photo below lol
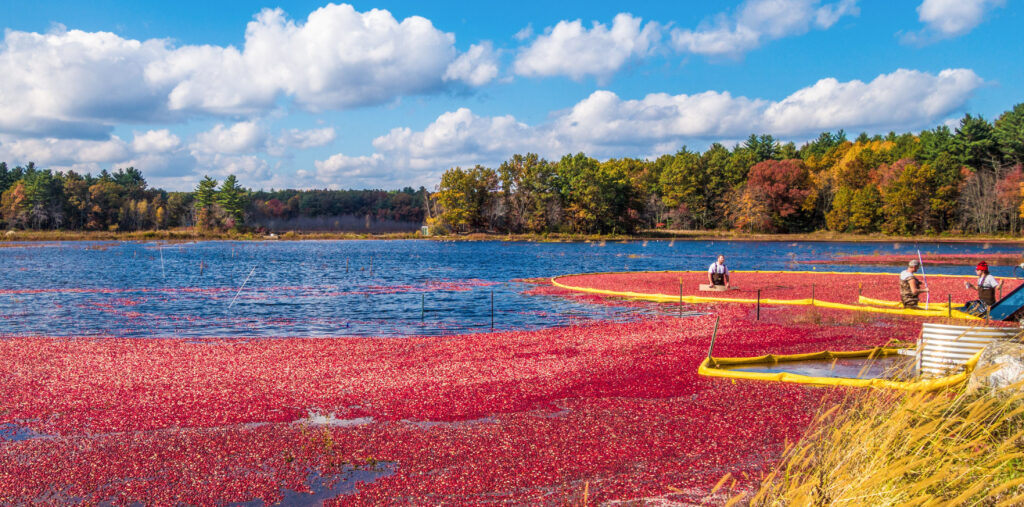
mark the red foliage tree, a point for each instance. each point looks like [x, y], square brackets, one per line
[782, 184]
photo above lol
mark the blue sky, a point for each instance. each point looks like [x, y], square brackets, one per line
[387, 94]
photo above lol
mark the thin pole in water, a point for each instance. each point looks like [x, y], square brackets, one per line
[927, 295]
[346, 265]
[860, 287]
[812, 294]
[242, 287]
[758, 304]
[949, 306]
[680, 297]
[371, 265]
[163, 273]
[492, 309]
[423, 305]
[713, 336]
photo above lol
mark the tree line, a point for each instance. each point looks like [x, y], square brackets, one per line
[966, 179]
[961, 180]
[33, 198]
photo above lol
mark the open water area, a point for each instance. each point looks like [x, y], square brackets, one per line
[385, 288]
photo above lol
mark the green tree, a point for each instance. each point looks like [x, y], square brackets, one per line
[1009, 134]
[206, 193]
[865, 208]
[205, 199]
[905, 199]
[465, 196]
[597, 196]
[975, 144]
[935, 143]
[231, 198]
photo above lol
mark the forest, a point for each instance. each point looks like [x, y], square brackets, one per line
[961, 180]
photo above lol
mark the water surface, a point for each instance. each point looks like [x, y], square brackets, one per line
[356, 288]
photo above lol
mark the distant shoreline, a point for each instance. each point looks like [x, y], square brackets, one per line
[647, 235]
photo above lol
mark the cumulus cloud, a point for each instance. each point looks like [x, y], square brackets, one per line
[242, 137]
[945, 19]
[475, 67]
[155, 141]
[571, 50]
[339, 169]
[759, 21]
[605, 125]
[905, 98]
[300, 139]
[63, 152]
[76, 84]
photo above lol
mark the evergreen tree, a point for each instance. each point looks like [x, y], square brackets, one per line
[1009, 134]
[231, 199]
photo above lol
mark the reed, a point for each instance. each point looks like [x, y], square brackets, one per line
[877, 448]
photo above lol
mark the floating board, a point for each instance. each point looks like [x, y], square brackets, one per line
[716, 288]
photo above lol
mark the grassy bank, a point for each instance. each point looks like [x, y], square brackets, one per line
[881, 448]
[652, 234]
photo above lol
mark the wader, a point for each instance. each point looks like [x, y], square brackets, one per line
[907, 296]
[987, 295]
[717, 278]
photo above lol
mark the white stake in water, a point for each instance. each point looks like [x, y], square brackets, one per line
[242, 287]
[927, 295]
[163, 273]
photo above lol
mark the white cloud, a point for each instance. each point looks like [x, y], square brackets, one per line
[571, 50]
[76, 84]
[242, 137]
[904, 98]
[475, 67]
[604, 125]
[63, 152]
[757, 22]
[945, 19]
[300, 139]
[339, 169]
[155, 141]
[304, 139]
[525, 33]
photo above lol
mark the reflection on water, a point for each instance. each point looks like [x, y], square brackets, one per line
[888, 367]
[347, 288]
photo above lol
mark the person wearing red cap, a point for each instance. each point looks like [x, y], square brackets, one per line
[987, 284]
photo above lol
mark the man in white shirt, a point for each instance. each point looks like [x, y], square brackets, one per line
[718, 274]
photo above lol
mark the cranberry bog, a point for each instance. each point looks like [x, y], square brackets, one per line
[591, 408]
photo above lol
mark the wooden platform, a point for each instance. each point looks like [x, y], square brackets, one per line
[716, 288]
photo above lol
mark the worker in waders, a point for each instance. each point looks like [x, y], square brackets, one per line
[910, 287]
[987, 285]
[718, 274]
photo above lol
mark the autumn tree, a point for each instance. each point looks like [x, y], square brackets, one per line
[784, 187]
[464, 197]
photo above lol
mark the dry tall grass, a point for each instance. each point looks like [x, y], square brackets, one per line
[880, 448]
